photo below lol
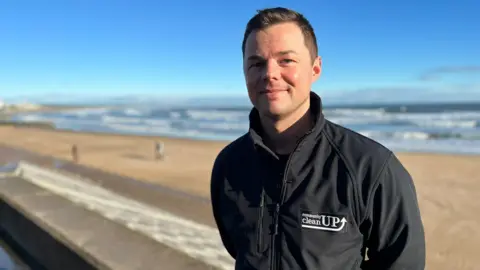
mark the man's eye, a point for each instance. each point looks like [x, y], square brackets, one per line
[256, 64]
[287, 61]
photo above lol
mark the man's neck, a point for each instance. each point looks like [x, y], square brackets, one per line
[283, 134]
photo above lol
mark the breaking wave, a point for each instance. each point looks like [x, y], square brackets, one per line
[433, 129]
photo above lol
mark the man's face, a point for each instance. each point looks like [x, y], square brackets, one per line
[278, 70]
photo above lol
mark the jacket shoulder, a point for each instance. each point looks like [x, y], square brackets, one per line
[229, 155]
[353, 144]
[233, 150]
[364, 158]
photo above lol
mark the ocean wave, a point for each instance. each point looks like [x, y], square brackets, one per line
[216, 115]
[409, 135]
[132, 112]
[117, 119]
[380, 113]
[175, 115]
[420, 135]
[447, 123]
[358, 112]
[465, 119]
[169, 131]
[399, 130]
[417, 108]
[243, 127]
[436, 116]
[419, 120]
[186, 123]
[82, 113]
[30, 118]
[448, 146]
[135, 121]
[349, 120]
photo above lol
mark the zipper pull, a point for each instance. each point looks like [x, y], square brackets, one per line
[277, 212]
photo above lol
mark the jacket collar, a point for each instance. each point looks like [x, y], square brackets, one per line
[316, 109]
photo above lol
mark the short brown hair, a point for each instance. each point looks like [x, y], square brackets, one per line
[271, 16]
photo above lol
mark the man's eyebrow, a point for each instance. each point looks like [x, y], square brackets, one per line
[255, 57]
[258, 57]
[286, 52]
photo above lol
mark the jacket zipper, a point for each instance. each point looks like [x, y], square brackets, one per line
[273, 259]
[260, 223]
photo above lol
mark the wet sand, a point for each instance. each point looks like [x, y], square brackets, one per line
[448, 185]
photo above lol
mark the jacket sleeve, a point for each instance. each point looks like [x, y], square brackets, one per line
[216, 190]
[395, 235]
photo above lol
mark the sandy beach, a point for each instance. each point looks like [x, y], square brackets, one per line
[448, 185]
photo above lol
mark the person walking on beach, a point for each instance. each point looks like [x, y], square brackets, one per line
[74, 152]
[159, 150]
[300, 192]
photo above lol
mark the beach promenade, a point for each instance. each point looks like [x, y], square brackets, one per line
[112, 222]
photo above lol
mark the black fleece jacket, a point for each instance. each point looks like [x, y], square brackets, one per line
[338, 197]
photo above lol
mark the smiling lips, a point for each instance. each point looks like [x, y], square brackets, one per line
[272, 93]
[273, 90]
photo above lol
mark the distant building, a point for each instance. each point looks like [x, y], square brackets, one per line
[3, 105]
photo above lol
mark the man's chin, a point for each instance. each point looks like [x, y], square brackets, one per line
[273, 112]
[273, 108]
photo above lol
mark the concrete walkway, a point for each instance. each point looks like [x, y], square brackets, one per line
[175, 220]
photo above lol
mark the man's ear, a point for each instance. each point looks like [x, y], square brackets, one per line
[316, 68]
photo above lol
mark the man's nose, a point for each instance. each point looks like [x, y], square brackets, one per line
[272, 70]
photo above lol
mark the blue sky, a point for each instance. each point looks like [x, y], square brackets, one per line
[372, 49]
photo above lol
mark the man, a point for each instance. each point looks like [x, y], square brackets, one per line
[298, 191]
[75, 153]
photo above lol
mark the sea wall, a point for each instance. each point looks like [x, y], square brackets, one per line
[52, 232]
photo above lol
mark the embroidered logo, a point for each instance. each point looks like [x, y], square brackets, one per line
[323, 222]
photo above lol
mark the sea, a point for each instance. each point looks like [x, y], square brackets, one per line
[431, 128]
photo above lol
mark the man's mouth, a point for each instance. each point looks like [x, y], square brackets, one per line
[272, 90]
[272, 94]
